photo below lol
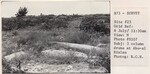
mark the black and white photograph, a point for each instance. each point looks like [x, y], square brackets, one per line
[56, 37]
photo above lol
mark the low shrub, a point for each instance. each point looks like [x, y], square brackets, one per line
[15, 33]
[95, 23]
[54, 23]
[6, 68]
[78, 37]
[105, 39]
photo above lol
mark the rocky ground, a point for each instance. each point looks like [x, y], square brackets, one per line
[46, 68]
[32, 48]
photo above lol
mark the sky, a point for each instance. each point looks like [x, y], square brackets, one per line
[9, 9]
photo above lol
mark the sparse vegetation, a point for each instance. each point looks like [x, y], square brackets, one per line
[34, 34]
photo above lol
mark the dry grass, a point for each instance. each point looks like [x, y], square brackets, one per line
[35, 39]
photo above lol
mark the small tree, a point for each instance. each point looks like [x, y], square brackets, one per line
[22, 12]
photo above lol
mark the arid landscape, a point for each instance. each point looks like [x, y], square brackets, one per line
[56, 43]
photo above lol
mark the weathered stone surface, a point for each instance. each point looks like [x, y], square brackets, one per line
[84, 48]
[60, 54]
[17, 55]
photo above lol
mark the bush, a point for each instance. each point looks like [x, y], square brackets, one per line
[16, 23]
[77, 37]
[6, 68]
[54, 23]
[31, 39]
[36, 41]
[45, 22]
[9, 24]
[105, 39]
[95, 23]
[106, 62]
[95, 38]
[15, 33]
